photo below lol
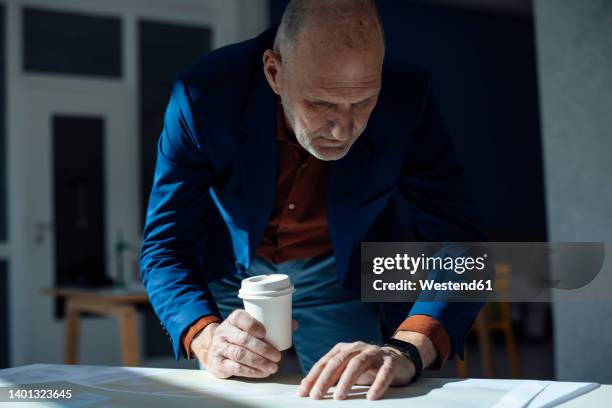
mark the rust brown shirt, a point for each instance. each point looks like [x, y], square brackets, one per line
[298, 225]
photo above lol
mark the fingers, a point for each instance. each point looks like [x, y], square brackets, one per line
[382, 381]
[294, 325]
[246, 357]
[367, 358]
[252, 343]
[332, 370]
[345, 364]
[240, 370]
[244, 321]
[312, 376]
[225, 368]
[239, 349]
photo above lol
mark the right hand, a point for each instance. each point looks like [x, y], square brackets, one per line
[236, 347]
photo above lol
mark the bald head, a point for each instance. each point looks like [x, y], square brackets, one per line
[335, 24]
[326, 67]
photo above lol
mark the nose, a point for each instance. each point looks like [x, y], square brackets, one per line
[343, 126]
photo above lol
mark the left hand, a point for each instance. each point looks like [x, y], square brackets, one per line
[357, 363]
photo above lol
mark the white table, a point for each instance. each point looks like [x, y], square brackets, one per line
[97, 386]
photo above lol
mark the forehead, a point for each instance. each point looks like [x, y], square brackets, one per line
[335, 68]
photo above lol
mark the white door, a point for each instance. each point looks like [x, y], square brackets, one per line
[41, 102]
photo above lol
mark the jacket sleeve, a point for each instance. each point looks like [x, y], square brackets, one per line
[433, 184]
[178, 209]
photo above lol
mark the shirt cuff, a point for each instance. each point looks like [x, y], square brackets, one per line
[434, 330]
[195, 329]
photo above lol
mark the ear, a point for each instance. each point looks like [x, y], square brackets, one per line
[272, 69]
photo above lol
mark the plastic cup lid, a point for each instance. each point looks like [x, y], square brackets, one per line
[261, 286]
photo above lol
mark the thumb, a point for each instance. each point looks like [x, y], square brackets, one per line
[294, 325]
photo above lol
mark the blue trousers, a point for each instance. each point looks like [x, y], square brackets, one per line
[327, 313]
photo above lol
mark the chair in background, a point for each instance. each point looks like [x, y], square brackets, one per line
[494, 317]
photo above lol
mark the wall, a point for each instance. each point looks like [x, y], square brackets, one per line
[574, 41]
[4, 311]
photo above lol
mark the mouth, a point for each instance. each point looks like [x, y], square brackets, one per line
[325, 142]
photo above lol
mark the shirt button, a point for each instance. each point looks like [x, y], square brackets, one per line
[283, 229]
[304, 165]
[292, 206]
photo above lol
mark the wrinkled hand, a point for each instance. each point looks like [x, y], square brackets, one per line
[236, 347]
[358, 363]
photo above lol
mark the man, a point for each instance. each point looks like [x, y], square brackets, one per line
[280, 154]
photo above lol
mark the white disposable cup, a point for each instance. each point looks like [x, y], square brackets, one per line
[268, 299]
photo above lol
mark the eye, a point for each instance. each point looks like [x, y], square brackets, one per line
[320, 104]
[364, 104]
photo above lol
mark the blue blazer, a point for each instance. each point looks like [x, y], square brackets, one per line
[216, 173]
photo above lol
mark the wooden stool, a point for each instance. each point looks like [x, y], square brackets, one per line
[120, 304]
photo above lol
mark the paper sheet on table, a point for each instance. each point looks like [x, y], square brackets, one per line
[81, 374]
[151, 387]
[558, 392]
[529, 393]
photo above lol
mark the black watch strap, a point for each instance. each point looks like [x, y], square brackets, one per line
[411, 352]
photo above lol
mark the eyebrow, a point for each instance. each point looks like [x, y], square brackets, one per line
[332, 103]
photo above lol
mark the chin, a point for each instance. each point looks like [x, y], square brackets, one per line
[329, 153]
[324, 151]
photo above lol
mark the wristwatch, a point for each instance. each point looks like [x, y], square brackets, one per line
[410, 351]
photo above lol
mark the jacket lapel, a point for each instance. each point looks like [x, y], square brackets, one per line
[258, 155]
[346, 187]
